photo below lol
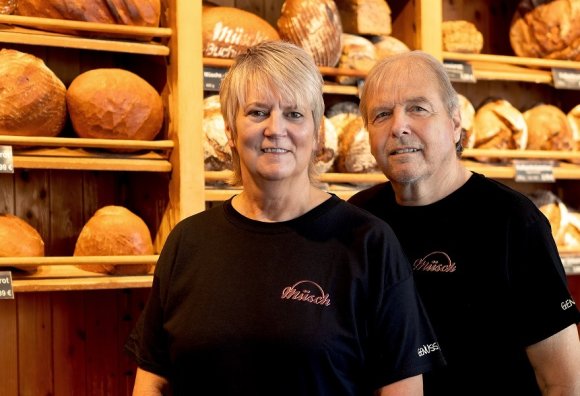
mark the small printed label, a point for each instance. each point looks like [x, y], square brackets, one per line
[212, 78]
[534, 171]
[566, 78]
[6, 292]
[459, 71]
[6, 160]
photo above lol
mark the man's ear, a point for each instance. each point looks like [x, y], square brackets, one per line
[456, 122]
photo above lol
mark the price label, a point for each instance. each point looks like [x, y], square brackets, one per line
[459, 71]
[566, 78]
[534, 171]
[6, 160]
[6, 292]
[212, 78]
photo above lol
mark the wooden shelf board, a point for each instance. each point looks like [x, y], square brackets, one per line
[512, 60]
[37, 141]
[56, 40]
[92, 163]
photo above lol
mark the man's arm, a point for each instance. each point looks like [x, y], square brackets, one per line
[412, 386]
[556, 363]
[149, 384]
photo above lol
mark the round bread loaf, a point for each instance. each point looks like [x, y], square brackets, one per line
[127, 12]
[341, 113]
[555, 210]
[548, 129]
[216, 150]
[354, 149]
[386, 46]
[327, 147]
[313, 25]
[546, 29]
[229, 31]
[19, 239]
[365, 17]
[461, 36]
[7, 7]
[114, 104]
[572, 233]
[499, 125]
[32, 97]
[115, 231]
[467, 112]
[574, 121]
[358, 53]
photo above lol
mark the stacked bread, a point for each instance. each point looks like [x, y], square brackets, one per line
[315, 26]
[114, 231]
[229, 31]
[32, 97]
[112, 103]
[546, 29]
[19, 239]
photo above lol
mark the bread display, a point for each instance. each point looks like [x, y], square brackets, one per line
[572, 232]
[313, 25]
[19, 239]
[341, 113]
[358, 53]
[386, 46]
[461, 36]
[573, 117]
[216, 150]
[467, 112]
[546, 29]
[354, 150]
[499, 125]
[556, 212]
[114, 104]
[32, 97]
[327, 146]
[228, 31]
[365, 16]
[7, 7]
[548, 129]
[125, 12]
[114, 231]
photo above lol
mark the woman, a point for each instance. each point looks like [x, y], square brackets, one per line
[284, 289]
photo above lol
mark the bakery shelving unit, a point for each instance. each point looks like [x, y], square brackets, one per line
[159, 178]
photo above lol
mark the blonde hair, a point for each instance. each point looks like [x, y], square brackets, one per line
[272, 65]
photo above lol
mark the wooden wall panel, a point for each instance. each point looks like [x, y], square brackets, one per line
[9, 354]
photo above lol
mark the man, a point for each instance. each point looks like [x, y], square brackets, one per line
[483, 256]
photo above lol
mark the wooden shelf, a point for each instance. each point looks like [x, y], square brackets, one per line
[120, 38]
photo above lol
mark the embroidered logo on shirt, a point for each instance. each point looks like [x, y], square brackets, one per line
[427, 348]
[306, 291]
[567, 304]
[435, 262]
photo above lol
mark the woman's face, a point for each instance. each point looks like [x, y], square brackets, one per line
[275, 139]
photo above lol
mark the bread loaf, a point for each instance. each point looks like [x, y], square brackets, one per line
[327, 146]
[386, 46]
[365, 16]
[546, 29]
[32, 97]
[499, 125]
[115, 231]
[229, 31]
[313, 25]
[548, 129]
[7, 7]
[354, 150]
[461, 36]
[19, 239]
[467, 112]
[572, 233]
[556, 212]
[216, 150]
[358, 53]
[114, 104]
[573, 117]
[126, 12]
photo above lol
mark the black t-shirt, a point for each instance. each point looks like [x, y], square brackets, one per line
[491, 279]
[324, 304]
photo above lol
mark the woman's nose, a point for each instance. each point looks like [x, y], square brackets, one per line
[275, 124]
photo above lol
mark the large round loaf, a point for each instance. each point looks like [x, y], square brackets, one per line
[365, 16]
[546, 29]
[229, 31]
[126, 12]
[217, 153]
[327, 146]
[114, 104]
[358, 53]
[19, 239]
[499, 125]
[574, 121]
[313, 25]
[548, 129]
[32, 97]
[354, 149]
[114, 231]
[461, 36]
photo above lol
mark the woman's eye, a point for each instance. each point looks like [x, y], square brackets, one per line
[257, 113]
[295, 114]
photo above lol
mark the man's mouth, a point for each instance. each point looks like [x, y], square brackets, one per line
[404, 151]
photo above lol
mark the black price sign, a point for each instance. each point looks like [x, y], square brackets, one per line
[6, 160]
[533, 171]
[6, 292]
[459, 71]
[212, 78]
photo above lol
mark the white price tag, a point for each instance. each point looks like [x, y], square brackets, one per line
[534, 171]
[6, 160]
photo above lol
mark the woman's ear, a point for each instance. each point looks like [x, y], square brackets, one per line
[230, 139]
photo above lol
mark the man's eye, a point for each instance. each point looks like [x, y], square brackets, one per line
[418, 109]
[381, 115]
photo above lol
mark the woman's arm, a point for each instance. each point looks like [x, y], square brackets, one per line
[149, 384]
